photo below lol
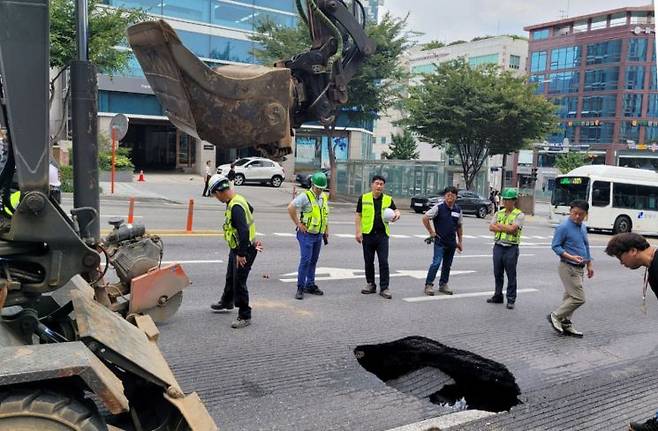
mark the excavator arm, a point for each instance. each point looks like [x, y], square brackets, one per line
[257, 106]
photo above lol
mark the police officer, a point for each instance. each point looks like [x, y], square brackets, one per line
[239, 233]
[312, 229]
[372, 233]
[506, 225]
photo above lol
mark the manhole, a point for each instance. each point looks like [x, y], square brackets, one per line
[451, 377]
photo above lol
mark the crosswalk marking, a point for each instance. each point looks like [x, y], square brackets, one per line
[284, 234]
[421, 236]
[485, 236]
[343, 235]
[458, 295]
[469, 236]
[400, 236]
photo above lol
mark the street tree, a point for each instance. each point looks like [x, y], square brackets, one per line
[477, 112]
[403, 147]
[378, 82]
[569, 161]
[107, 31]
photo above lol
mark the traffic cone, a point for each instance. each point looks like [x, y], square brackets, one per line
[141, 176]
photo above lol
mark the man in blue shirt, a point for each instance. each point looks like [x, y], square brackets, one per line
[571, 244]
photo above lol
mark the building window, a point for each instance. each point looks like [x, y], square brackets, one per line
[151, 6]
[382, 140]
[601, 134]
[563, 82]
[641, 18]
[198, 43]
[232, 15]
[128, 103]
[565, 58]
[601, 79]
[652, 83]
[277, 18]
[284, 5]
[604, 52]
[514, 61]
[629, 131]
[651, 134]
[563, 131]
[580, 26]
[423, 68]
[562, 31]
[599, 22]
[540, 34]
[223, 48]
[653, 106]
[539, 81]
[538, 61]
[599, 106]
[192, 10]
[632, 105]
[637, 49]
[618, 19]
[567, 106]
[483, 59]
[634, 78]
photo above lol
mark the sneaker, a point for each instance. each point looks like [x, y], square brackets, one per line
[386, 294]
[443, 288]
[220, 307]
[494, 300]
[313, 290]
[300, 293]
[569, 329]
[240, 323]
[555, 323]
[650, 425]
[510, 306]
[429, 290]
[370, 288]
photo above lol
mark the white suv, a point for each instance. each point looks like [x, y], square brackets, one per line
[255, 169]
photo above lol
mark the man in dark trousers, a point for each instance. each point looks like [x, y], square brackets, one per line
[239, 233]
[372, 232]
[633, 251]
[207, 178]
[444, 223]
[231, 173]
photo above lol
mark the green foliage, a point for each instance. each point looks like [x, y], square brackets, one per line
[122, 161]
[567, 162]
[107, 29]
[479, 112]
[456, 42]
[404, 147]
[66, 178]
[433, 45]
[475, 39]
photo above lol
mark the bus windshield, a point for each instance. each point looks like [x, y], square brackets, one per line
[568, 189]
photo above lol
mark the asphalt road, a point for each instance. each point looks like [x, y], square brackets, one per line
[294, 367]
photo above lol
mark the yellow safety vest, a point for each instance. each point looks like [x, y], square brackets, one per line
[508, 219]
[15, 199]
[316, 218]
[368, 212]
[231, 233]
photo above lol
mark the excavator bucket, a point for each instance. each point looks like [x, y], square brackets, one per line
[230, 106]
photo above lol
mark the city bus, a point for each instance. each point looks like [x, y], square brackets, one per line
[620, 199]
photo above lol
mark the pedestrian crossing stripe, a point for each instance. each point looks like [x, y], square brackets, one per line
[441, 297]
[400, 236]
[284, 234]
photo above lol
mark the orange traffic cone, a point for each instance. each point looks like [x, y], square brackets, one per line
[141, 176]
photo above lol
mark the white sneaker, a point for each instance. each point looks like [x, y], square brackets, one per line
[555, 323]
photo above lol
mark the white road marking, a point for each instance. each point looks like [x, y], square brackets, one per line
[462, 256]
[458, 295]
[422, 274]
[422, 236]
[164, 262]
[343, 235]
[329, 273]
[539, 237]
[286, 234]
[470, 236]
[122, 215]
[400, 236]
[485, 236]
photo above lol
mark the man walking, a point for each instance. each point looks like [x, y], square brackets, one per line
[633, 251]
[506, 225]
[444, 224]
[239, 233]
[372, 232]
[571, 244]
[207, 178]
[312, 229]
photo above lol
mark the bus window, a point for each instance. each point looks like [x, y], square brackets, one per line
[601, 194]
[650, 196]
[625, 196]
[569, 189]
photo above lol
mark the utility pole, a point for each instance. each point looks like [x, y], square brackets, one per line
[84, 119]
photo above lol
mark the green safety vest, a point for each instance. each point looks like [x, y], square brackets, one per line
[503, 218]
[316, 218]
[231, 233]
[15, 199]
[368, 212]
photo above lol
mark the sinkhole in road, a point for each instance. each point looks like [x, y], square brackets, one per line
[447, 376]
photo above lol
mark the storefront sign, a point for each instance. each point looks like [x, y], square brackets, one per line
[644, 147]
[639, 30]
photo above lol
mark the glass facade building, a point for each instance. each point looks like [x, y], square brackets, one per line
[600, 72]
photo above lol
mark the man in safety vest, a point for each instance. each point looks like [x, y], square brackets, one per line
[372, 232]
[312, 229]
[240, 234]
[507, 225]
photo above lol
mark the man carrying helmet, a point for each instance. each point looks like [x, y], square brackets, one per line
[372, 232]
[239, 233]
[506, 225]
[312, 229]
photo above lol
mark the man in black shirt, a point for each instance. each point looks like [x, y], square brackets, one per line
[372, 232]
[633, 251]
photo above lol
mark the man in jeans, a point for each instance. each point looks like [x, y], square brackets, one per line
[446, 232]
[507, 225]
[312, 229]
[372, 232]
[570, 242]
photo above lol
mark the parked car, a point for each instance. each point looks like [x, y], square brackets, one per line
[469, 202]
[304, 178]
[255, 170]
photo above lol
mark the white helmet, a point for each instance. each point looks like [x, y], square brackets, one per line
[388, 215]
[218, 183]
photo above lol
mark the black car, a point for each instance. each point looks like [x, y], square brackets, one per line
[304, 178]
[469, 202]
